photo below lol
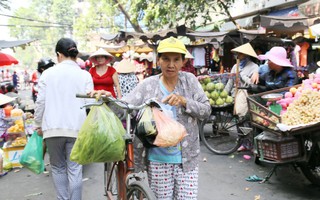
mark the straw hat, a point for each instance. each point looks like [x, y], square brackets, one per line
[125, 66]
[245, 49]
[4, 99]
[100, 52]
[277, 55]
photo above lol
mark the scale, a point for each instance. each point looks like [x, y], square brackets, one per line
[273, 98]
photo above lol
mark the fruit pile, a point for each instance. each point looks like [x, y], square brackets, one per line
[19, 141]
[18, 127]
[215, 92]
[301, 105]
[304, 110]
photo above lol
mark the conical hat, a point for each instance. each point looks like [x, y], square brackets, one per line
[125, 66]
[4, 99]
[245, 49]
[100, 52]
[188, 55]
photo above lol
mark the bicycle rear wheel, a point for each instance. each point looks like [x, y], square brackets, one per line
[139, 190]
[220, 133]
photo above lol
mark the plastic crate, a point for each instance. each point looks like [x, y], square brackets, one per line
[274, 148]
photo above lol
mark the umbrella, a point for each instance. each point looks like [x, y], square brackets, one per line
[6, 59]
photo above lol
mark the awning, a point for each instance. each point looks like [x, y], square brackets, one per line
[10, 44]
[252, 34]
[288, 24]
[208, 36]
[243, 23]
[152, 37]
[109, 37]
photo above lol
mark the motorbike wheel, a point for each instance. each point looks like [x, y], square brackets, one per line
[311, 169]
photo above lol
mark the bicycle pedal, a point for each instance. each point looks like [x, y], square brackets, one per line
[245, 130]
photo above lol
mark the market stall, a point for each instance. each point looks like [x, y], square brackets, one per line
[289, 119]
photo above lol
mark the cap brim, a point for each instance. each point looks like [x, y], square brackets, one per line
[172, 50]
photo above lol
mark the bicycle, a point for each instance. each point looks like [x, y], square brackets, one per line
[120, 180]
[228, 130]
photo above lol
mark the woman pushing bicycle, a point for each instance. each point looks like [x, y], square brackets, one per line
[172, 171]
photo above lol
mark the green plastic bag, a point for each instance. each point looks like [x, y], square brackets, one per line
[32, 155]
[100, 138]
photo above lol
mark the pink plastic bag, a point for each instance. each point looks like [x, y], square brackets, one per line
[170, 132]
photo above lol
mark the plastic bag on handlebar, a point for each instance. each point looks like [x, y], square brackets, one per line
[170, 131]
[146, 129]
[100, 138]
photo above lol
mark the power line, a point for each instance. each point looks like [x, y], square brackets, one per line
[34, 20]
[35, 26]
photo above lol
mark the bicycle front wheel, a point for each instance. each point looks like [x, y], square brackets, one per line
[111, 179]
[139, 190]
[220, 134]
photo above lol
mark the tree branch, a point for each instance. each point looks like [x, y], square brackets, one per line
[136, 27]
[228, 13]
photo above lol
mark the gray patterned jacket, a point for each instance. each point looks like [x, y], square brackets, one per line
[198, 107]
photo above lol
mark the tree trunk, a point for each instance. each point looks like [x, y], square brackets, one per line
[136, 27]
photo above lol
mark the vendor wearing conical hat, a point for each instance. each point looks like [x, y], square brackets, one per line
[247, 67]
[104, 76]
[127, 77]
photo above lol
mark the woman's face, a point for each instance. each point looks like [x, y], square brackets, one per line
[170, 64]
[101, 60]
[274, 67]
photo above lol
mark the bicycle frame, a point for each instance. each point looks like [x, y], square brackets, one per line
[125, 167]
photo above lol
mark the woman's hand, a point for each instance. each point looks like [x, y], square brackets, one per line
[39, 131]
[99, 93]
[255, 78]
[175, 100]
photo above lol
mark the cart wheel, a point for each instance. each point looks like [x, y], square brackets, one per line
[219, 133]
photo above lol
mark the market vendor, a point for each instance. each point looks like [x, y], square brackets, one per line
[247, 67]
[281, 72]
[4, 101]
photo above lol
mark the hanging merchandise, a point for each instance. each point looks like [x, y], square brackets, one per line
[304, 53]
[199, 57]
[207, 56]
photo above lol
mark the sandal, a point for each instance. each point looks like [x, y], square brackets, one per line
[254, 178]
[242, 148]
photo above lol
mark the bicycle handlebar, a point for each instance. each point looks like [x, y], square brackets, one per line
[121, 104]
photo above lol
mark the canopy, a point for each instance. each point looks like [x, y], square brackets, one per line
[9, 44]
[287, 24]
[6, 59]
[208, 36]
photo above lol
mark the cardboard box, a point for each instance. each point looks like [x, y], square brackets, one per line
[13, 154]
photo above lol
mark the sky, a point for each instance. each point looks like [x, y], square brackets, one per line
[14, 4]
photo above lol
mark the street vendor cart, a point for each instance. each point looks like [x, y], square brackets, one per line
[282, 142]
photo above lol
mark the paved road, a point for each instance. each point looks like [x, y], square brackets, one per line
[221, 178]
